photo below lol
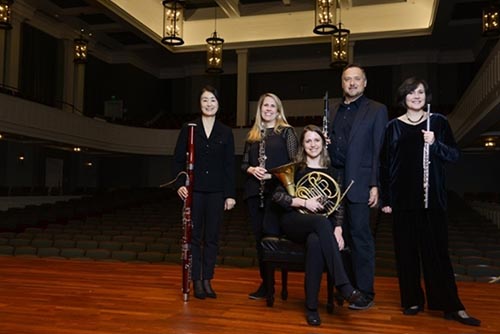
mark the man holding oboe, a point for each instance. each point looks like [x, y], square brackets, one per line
[413, 190]
[356, 136]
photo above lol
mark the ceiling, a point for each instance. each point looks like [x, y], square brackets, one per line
[129, 31]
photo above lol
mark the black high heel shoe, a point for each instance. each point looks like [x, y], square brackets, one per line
[354, 296]
[413, 310]
[312, 317]
[462, 317]
[210, 293]
[199, 292]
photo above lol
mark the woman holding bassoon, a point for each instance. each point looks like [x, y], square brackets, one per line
[213, 187]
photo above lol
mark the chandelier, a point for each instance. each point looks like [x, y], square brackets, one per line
[491, 26]
[214, 50]
[324, 17]
[173, 14]
[5, 12]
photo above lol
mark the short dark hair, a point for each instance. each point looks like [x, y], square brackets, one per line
[408, 86]
[348, 66]
[212, 90]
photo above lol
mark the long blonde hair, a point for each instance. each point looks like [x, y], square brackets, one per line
[255, 133]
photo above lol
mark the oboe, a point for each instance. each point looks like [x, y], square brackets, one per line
[262, 162]
[187, 223]
[426, 161]
[326, 111]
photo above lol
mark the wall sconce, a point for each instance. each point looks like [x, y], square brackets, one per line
[491, 24]
[5, 12]
[88, 164]
[214, 50]
[20, 157]
[77, 149]
[80, 51]
[340, 47]
[490, 143]
[324, 17]
[173, 19]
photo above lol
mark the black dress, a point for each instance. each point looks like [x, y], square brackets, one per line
[420, 235]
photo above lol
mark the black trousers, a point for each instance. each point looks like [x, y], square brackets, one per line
[265, 222]
[358, 236]
[314, 267]
[207, 215]
[421, 240]
[298, 227]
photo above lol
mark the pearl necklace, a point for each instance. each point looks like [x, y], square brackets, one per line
[412, 121]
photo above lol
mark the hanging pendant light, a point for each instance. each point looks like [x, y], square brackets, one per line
[491, 24]
[324, 17]
[80, 51]
[214, 51]
[5, 13]
[340, 47]
[173, 19]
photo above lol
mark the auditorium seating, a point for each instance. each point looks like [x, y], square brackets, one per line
[148, 229]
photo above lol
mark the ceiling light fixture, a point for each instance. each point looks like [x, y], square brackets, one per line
[324, 17]
[491, 24]
[80, 50]
[5, 12]
[340, 45]
[214, 50]
[173, 18]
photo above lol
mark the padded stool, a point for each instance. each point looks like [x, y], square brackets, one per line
[279, 252]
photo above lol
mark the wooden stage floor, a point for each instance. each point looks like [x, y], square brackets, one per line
[49, 296]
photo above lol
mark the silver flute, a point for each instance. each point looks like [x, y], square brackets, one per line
[426, 161]
[262, 162]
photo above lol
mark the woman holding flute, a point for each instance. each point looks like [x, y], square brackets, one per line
[420, 222]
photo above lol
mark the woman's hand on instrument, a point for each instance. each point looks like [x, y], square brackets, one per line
[258, 172]
[337, 232]
[229, 203]
[313, 204]
[387, 209]
[182, 192]
[428, 137]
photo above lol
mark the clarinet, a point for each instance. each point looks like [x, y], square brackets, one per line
[325, 115]
[426, 161]
[262, 163]
[187, 223]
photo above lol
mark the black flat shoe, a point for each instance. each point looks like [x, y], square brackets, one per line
[199, 292]
[462, 317]
[210, 293]
[412, 310]
[312, 317]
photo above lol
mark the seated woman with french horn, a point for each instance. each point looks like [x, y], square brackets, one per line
[313, 214]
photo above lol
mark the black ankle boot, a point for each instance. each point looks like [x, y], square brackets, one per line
[208, 289]
[199, 292]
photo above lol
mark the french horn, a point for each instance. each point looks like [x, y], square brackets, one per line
[313, 184]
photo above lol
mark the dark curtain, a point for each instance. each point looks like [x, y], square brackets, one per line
[40, 58]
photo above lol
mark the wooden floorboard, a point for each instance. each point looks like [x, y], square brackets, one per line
[47, 296]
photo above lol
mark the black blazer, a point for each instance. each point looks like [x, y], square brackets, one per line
[365, 141]
[213, 159]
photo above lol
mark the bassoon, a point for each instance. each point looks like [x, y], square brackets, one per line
[187, 223]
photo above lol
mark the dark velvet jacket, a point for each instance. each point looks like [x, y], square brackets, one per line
[282, 198]
[401, 159]
[213, 159]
